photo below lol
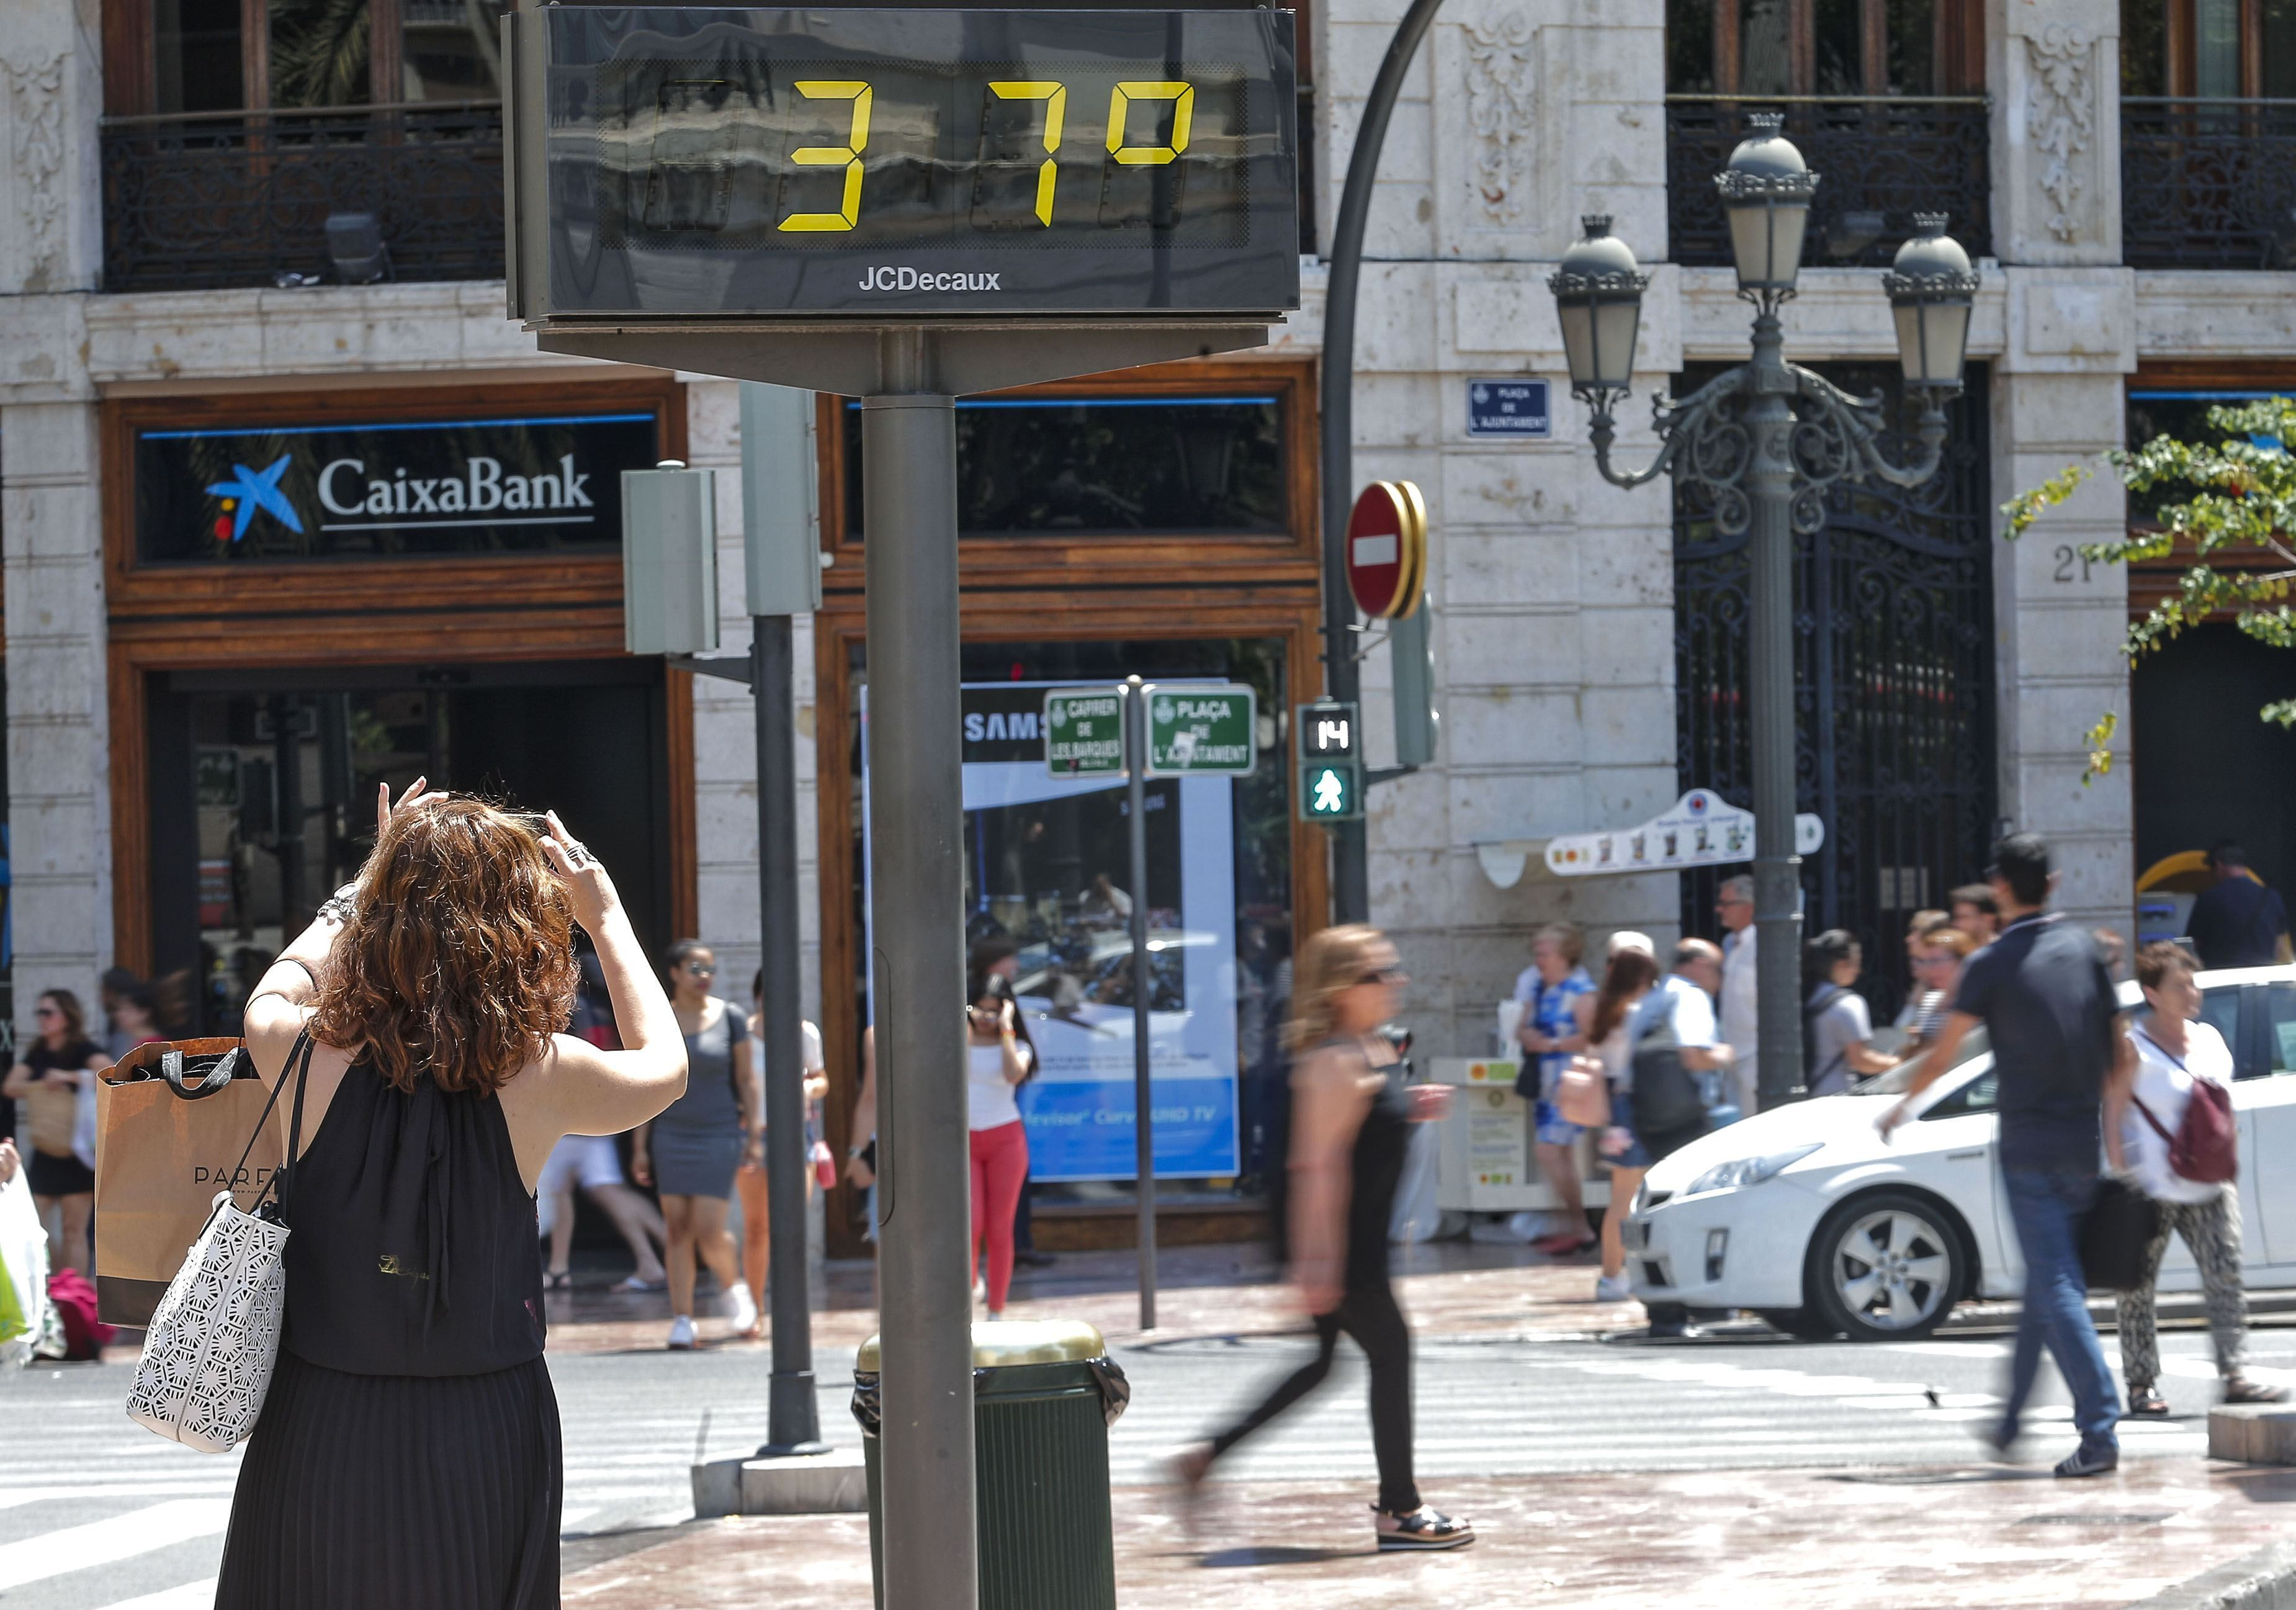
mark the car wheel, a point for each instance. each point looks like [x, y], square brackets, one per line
[1885, 1267]
[1804, 1323]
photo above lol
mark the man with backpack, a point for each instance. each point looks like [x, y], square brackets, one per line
[2169, 1128]
[2050, 1013]
[2237, 921]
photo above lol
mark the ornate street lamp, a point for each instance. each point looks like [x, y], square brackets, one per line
[1765, 442]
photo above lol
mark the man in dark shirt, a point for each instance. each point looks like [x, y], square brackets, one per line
[2047, 1004]
[2237, 921]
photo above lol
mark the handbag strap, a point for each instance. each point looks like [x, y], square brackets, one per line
[299, 1063]
[2139, 1100]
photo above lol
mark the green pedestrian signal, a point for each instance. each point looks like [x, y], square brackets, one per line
[1330, 791]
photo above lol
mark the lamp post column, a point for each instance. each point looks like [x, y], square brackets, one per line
[1769, 480]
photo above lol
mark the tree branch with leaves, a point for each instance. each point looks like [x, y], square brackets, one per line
[2241, 500]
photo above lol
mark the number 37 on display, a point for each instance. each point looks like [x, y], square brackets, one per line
[1051, 95]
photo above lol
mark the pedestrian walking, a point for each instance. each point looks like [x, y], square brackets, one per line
[1632, 973]
[1556, 997]
[1976, 912]
[690, 1153]
[588, 1162]
[1000, 957]
[2237, 920]
[1937, 954]
[2145, 1106]
[997, 1060]
[1917, 990]
[1835, 1017]
[1740, 1014]
[409, 1452]
[1351, 1123]
[752, 1180]
[54, 1077]
[2050, 1016]
[1672, 1038]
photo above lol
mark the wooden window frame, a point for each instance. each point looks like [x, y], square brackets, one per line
[1058, 588]
[188, 616]
[1958, 42]
[1056, 560]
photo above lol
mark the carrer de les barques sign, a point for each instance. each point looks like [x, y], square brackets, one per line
[386, 488]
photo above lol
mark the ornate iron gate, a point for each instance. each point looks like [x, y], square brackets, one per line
[1893, 679]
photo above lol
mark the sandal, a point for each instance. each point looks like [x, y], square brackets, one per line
[2240, 1388]
[1423, 1530]
[558, 1281]
[2147, 1405]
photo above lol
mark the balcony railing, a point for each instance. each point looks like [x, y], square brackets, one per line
[1879, 160]
[210, 199]
[2208, 184]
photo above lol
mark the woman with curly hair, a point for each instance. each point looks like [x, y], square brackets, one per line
[409, 1452]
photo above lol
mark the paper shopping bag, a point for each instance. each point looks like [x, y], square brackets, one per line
[172, 1121]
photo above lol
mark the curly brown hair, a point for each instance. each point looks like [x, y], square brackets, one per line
[458, 960]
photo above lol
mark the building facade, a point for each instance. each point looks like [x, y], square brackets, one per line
[200, 689]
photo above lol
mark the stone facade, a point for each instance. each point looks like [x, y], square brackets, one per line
[1554, 648]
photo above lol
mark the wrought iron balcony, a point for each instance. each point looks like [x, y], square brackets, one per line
[1880, 159]
[211, 200]
[2208, 184]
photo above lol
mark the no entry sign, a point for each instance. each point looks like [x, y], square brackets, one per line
[1387, 549]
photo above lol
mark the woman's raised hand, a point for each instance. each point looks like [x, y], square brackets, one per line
[383, 808]
[585, 877]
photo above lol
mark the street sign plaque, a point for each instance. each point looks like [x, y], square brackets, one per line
[1084, 732]
[1209, 731]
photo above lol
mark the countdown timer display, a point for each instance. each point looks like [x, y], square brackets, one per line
[886, 165]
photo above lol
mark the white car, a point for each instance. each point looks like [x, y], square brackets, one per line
[1807, 1217]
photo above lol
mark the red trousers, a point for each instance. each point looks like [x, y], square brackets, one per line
[1000, 1163]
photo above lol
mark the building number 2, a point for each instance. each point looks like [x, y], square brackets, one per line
[1056, 97]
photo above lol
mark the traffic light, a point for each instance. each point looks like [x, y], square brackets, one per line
[1331, 765]
[1330, 791]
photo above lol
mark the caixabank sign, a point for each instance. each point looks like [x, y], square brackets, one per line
[387, 488]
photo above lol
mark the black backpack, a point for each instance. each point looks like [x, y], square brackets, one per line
[1666, 1093]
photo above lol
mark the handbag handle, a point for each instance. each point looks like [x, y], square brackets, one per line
[226, 1070]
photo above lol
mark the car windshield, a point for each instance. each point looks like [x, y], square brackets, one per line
[1896, 1081]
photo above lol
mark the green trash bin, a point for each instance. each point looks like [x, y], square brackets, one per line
[1044, 1393]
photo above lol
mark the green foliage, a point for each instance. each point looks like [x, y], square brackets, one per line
[318, 52]
[2239, 498]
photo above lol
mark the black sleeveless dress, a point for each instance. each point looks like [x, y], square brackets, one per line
[408, 1453]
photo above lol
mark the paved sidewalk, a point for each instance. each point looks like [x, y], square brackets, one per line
[1900, 1540]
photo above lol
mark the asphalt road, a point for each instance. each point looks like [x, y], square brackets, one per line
[97, 1514]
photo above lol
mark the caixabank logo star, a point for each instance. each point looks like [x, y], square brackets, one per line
[250, 491]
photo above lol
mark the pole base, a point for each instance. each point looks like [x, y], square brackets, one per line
[791, 1450]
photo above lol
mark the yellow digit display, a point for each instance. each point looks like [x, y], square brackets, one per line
[847, 155]
[1056, 97]
[1183, 97]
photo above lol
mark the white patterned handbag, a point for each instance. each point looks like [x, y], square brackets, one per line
[208, 1351]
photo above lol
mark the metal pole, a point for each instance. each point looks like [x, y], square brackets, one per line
[1350, 873]
[793, 1423]
[1778, 869]
[908, 437]
[1136, 782]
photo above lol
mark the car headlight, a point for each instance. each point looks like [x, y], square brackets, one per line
[1747, 1171]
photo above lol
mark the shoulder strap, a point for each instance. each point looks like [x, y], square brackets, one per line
[299, 1063]
[2156, 1122]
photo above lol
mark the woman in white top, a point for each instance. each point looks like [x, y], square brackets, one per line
[2173, 1050]
[996, 1061]
[1632, 971]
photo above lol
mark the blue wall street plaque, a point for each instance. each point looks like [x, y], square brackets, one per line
[1508, 407]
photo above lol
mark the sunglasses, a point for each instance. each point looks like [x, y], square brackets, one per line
[699, 971]
[1385, 975]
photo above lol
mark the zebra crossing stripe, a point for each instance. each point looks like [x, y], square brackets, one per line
[103, 1542]
[190, 1595]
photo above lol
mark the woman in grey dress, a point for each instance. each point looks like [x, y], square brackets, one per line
[690, 1153]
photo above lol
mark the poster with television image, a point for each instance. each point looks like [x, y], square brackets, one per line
[1048, 867]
